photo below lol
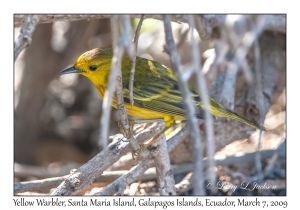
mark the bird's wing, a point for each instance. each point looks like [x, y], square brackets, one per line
[157, 90]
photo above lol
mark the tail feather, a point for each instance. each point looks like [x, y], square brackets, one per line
[219, 110]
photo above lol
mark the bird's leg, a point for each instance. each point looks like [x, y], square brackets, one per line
[132, 123]
[136, 154]
[122, 130]
[143, 146]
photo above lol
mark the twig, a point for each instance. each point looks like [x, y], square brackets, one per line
[26, 31]
[260, 102]
[249, 38]
[201, 88]
[235, 28]
[120, 184]
[165, 177]
[127, 35]
[132, 71]
[189, 107]
[37, 185]
[25, 171]
[239, 57]
[125, 42]
[108, 95]
[201, 27]
[271, 164]
[182, 38]
[274, 22]
[86, 174]
[137, 172]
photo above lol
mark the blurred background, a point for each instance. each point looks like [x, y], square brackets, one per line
[57, 118]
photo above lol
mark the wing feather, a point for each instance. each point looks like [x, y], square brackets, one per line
[156, 89]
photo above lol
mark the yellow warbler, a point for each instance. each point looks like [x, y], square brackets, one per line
[155, 91]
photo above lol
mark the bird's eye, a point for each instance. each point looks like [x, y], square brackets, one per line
[93, 68]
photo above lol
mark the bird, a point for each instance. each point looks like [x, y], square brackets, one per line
[156, 94]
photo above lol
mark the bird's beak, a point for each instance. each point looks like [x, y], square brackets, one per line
[70, 71]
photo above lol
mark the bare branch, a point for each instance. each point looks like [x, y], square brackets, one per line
[136, 173]
[150, 174]
[235, 27]
[204, 27]
[201, 88]
[260, 102]
[125, 42]
[37, 185]
[190, 109]
[120, 184]
[26, 31]
[108, 95]
[247, 39]
[165, 177]
[132, 71]
[86, 174]
[201, 27]
[23, 170]
[18, 20]
[127, 35]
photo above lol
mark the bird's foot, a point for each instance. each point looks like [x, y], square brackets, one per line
[137, 154]
[123, 131]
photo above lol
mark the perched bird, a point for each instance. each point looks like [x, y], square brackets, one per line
[155, 91]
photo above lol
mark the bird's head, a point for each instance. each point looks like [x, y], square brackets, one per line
[94, 64]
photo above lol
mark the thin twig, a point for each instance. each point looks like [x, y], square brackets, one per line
[201, 27]
[271, 164]
[127, 35]
[132, 71]
[37, 185]
[39, 172]
[238, 58]
[273, 23]
[189, 107]
[120, 184]
[233, 24]
[108, 95]
[126, 43]
[260, 102]
[26, 31]
[201, 88]
[249, 38]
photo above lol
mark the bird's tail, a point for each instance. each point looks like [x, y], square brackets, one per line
[219, 110]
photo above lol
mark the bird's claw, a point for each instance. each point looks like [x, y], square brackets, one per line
[136, 154]
[123, 131]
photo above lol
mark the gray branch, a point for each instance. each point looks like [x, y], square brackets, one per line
[137, 172]
[204, 26]
[108, 95]
[201, 88]
[132, 70]
[189, 107]
[86, 174]
[165, 177]
[26, 31]
[124, 43]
